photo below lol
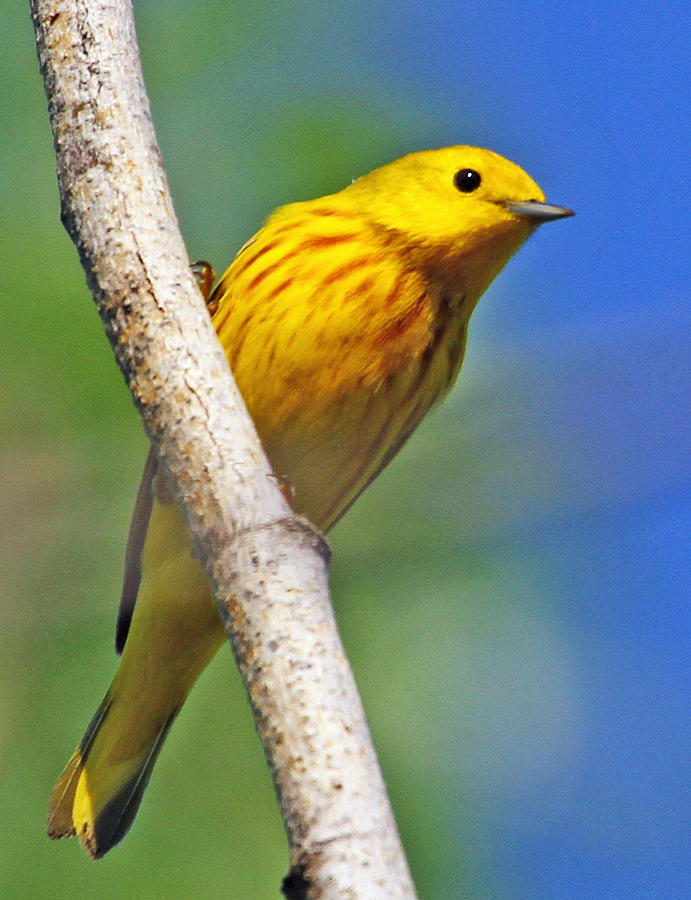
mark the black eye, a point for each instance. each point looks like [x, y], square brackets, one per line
[467, 180]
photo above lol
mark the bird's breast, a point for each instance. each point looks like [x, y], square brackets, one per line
[339, 349]
[334, 426]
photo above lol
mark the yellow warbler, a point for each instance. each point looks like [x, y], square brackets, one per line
[344, 320]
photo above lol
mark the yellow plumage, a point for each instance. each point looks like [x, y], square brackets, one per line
[344, 320]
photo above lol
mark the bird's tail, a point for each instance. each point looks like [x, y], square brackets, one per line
[174, 632]
[98, 794]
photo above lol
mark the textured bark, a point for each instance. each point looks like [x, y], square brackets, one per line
[267, 566]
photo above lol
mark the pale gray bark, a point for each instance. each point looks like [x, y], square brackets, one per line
[268, 567]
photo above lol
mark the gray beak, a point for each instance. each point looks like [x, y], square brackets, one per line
[538, 212]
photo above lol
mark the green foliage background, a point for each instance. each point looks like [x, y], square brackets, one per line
[451, 629]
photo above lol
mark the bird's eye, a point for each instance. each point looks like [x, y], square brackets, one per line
[467, 180]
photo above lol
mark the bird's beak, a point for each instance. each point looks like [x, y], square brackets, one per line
[538, 212]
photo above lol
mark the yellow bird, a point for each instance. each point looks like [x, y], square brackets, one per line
[344, 321]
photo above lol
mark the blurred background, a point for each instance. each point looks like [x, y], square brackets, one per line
[513, 591]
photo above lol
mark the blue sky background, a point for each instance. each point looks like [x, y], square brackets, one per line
[514, 591]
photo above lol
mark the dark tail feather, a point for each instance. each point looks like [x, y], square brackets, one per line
[116, 818]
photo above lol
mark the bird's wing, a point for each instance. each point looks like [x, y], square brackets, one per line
[133, 552]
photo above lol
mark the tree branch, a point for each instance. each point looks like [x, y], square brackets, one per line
[268, 567]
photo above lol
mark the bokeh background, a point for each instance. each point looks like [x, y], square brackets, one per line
[513, 591]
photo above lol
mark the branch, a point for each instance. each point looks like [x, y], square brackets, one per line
[267, 566]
